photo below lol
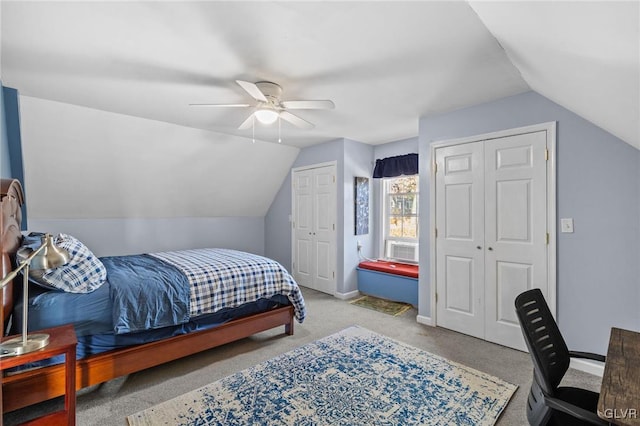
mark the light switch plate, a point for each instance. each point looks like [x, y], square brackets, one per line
[566, 225]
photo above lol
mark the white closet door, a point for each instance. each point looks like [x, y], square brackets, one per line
[515, 230]
[460, 240]
[324, 230]
[314, 228]
[491, 220]
[303, 256]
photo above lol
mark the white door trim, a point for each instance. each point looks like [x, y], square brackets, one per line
[550, 128]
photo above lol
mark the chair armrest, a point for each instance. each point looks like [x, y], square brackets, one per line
[574, 411]
[587, 355]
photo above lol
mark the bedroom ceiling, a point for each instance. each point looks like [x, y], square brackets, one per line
[384, 64]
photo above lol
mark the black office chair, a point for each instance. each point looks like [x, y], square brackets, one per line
[549, 404]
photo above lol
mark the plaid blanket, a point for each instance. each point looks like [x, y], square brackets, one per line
[223, 278]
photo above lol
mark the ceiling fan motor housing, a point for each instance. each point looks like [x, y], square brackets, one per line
[271, 91]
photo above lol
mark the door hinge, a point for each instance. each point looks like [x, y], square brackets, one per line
[436, 297]
[334, 226]
[435, 168]
[435, 232]
[547, 238]
[546, 154]
[334, 178]
[334, 274]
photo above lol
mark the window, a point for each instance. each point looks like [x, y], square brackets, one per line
[400, 218]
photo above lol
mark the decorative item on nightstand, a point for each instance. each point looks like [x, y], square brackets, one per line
[47, 256]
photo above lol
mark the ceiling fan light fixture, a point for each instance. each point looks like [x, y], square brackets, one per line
[266, 115]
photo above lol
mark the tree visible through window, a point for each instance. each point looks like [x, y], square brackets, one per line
[401, 216]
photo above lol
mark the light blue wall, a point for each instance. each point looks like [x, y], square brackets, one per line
[111, 237]
[277, 224]
[598, 185]
[358, 161]
[352, 159]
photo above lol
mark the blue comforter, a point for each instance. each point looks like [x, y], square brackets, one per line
[146, 292]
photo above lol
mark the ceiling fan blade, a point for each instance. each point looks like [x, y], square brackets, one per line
[222, 105]
[318, 104]
[252, 90]
[295, 120]
[246, 123]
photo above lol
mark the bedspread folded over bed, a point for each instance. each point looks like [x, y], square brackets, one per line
[151, 291]
[222, 278]
[146, 293]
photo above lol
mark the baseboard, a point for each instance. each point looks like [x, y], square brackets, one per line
[421, 319]
[593, 367]
[346, 296]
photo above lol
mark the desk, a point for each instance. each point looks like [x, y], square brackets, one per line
[619, 401]
[62, 341]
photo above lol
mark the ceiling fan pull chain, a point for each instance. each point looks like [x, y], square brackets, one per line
[279, 133]
[253, 128]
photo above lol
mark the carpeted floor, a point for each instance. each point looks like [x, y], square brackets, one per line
[112, 402]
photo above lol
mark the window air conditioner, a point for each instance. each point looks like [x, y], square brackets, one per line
[402, 250]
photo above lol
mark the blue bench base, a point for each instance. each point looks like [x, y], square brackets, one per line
[388, 286]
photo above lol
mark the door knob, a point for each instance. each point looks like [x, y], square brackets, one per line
[479, 248]
[490, 248]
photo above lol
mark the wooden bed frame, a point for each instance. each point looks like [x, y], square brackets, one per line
[30, 387]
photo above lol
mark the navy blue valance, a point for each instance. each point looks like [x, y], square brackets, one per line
[396, 166]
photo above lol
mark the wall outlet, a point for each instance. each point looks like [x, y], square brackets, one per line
[359, 245]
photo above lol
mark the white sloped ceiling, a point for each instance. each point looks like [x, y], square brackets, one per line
[86, 163]
[583, 55]
[106, 85]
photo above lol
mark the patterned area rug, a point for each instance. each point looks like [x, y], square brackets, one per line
[382, 305]
[354, 377]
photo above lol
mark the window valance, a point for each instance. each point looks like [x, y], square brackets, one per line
[396, 166]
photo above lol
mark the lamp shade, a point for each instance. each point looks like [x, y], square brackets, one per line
[266, 115]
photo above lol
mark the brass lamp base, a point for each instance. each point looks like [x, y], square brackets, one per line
[16, 346]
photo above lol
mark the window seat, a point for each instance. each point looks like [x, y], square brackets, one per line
[389, 280]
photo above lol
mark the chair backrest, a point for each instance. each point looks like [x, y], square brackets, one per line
[548, 349]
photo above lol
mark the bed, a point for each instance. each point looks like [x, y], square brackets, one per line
[116, 336]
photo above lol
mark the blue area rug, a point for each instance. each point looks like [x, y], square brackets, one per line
[354, 377]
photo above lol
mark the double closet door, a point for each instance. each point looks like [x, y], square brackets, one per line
[492, 233]
[314, 227]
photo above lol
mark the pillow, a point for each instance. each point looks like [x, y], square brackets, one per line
[83, 273]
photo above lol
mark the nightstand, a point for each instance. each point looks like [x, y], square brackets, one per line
[62, 341]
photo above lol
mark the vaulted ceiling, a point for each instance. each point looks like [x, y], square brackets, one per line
[384, 64]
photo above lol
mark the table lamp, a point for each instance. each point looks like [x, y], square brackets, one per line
[47, 256]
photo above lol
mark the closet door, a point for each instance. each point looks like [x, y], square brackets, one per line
[460, 240]
[492, 233]
[515, 230]
[314, 233]
[303, 242]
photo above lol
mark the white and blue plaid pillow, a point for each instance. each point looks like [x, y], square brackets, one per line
[83, 273]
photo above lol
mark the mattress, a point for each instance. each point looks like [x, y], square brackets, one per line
[92, 321]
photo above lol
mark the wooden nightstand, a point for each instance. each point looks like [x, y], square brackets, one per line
[62, 342]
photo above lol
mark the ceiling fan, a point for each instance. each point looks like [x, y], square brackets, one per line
[270, 106]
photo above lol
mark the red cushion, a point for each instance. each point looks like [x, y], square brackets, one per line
[391, 268]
